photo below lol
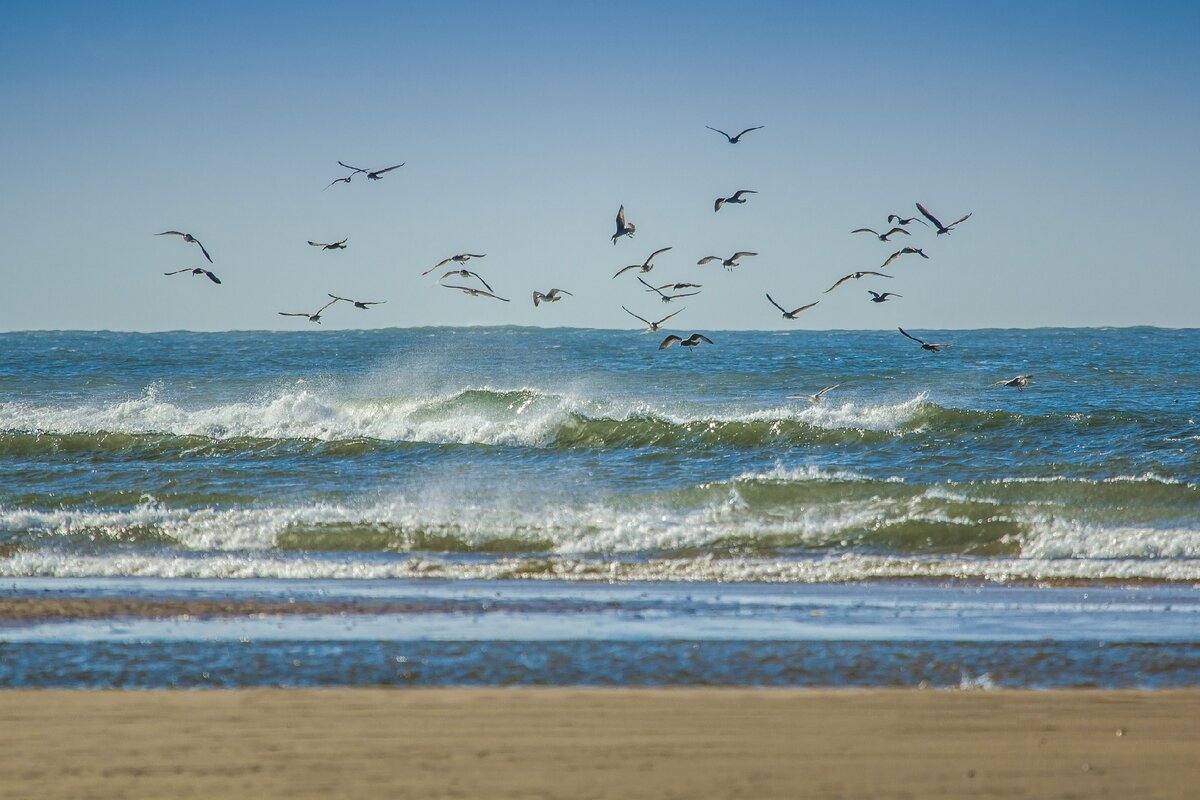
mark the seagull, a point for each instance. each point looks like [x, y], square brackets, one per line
[466, 273]
[371, 174]
[461, 258]
[737, 198]
[196, 271]
[855, 276]
[903, 251]
[876, 297]
[738, 138]
[359, 303]
[813, 398]
[474, 292]
[551, 296]
[646, 265]
[1019, 382]
[940, 227]
[790, 314]
[666, 298]
[340, 180]
[727, 263]
[692, 341]
[676, 286]
[652, 327]
[311, 317]
[883, 237]
[187, 237]
[331, 245]
[899, 220]
[930, 346]
[623, 228]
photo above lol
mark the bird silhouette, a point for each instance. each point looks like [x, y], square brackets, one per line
[736, 198]
[790, 314]
[930, 346]
[187, 237]
[883, 237]
[854, 276]
[692, 341]
[727, 263]
[646, 265]
[311, 317]
[623, 228]
[331, 245]
[940, 227]
[901, 252]
[738, 138]
[876, 297]
[360, 304]
[196, 271]
[551, 296]
[652, 327]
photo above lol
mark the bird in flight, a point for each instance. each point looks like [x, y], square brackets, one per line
[883, 237]
[551, 296]
[646, 265]
[623, 228]
[736, 199]
[727, 263]
[899, 220]
[790, 314]
[814, 398]
[475, 292]
[876, 297]
[652, 327]
[1019, 382]
[466, 273]
[373, 175]
[940, 227]
[901, 252]
[692, 341]
[340, 180]
[363, 304]
[930, 346]
[675, 286]
[461, 258]
[187, 237]
[854, 276]
[196, 271]
[666, 298]
[330, 245]
[311, 317]
[738, 138]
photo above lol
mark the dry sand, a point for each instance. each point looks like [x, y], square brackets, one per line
[599, 743]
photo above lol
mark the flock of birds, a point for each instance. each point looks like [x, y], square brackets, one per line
[471, 283]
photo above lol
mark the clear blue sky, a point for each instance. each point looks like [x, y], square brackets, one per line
[1071, 130]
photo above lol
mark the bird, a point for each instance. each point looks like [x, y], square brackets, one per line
[475, 292]
[1019, 382]
[727, 263]
[461, 258]
[903, 251]
[738, 138]
[551, 296]
[666, 298]
[855, 276]
[373, 175]
[187, 237]
[876, 297]
[692, 341]
[790, 314]
[940, 227]
[196, 271]
[359, 303]
[646, 265]
[930, 346]
[623, 228]
[340, 180]
[736, 198]
[883, 237]
[899, 220]
[652, 327]
[675, 286]
[331, 245]
[311, 317]
[466, 273]
[814, 398]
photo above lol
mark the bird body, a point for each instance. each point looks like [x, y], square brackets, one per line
[854, 276]
[330, 245]
[1019, 382]
[187, 237]
[652, 327]
[883, 237]
[196, 271]
[646, 265]
[876, 297]
[372, 174]
[692, 341]
[551, 296]
[940, 227]
[790, 314]
[814, 398]
[736, 198]
[623, 228]
[930, 346]
[727, 263]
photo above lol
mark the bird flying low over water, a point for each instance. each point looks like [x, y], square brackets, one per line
[876, 297]
[854, 276]
[372, 174]
[551, 296]
[940, 227]
[196, 271]
[623, 228]
[727, 263]
[738, 138]
[883, 237]
[187, 237]
[814, 398]
[790, 314]
[692, 341]
[361, 304]
[930, 346]
[461, 258]
[901, 252]
[899, 220]
[466, 273]
[666, 298]
[1019, 382]
[652, 327]
[646, 265]
[736, 198]
[311, 317]
[475, 292]
[330, 245]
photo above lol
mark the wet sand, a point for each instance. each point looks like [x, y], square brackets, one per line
[599, 743]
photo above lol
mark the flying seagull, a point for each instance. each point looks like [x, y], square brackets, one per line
[340, 180]
[883, 237]
[738, 138]
[652, 327]
[930, 346]
[1019, 382]
[736, 198]
[187, 237]
[901, 252]
[196, 271]
[899, 220]
[814, 398]
[475, 292]
[623, 228]
[373, 175]
[358, 303]
[940, 227]
[461, 258]
[311, 317]
[692, 341]
[790, 314]
[551, 296]
[666, 298]
[466, 273]
[330, 245]
[727, 263]
[855, 276]
[876, 297]
[675, 286]
[646, 265]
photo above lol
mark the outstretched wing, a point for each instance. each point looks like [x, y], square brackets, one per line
[804, 308]
[441, 263]
[839, 283]
[670, 340]
[723, 133]
[212, 277]
[683, 294]
[327, 305]
[865, 230]
[621, 218]
[293, 314]
[656, 253]
[537, 298]
[743, 133]
[707, 259]
[781, 308]
[829, 388]
[701, 337]
[176, 272]
[720, 201]
[896, 230]
[891, 258]
[664, 319]
[389, 169]
[626, 269]
[202, 250]
[961, 219]
[347, 166]
[909, 335]
[738, 194]
[740, 254]
[643, 319]
[649, 286]
[173, 233]
[338, 297]
[925, 213]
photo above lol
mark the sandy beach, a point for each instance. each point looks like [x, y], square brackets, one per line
[588, 743]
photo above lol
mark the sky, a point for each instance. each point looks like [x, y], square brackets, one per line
[1070, 130]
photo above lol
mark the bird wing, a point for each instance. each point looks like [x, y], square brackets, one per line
[466, 289]
[343, 241]
[723, 133]
[664, 319]
[561, 291]
[803, 308]
[738, 194]
[212, 277]
[707, 259]
[894, 218]
[643, 319]
[675, 296]
[891, 294]
[896, 230]
[339, 297]
[826, 389]
[441, 263]
[174, 233]
[839, 283]
[337, 180]
[621, 218]
[891, 258]
[202, 250]
[347, 166]
[537, 298]
[781, 308]
[655, 253]
[909, 335]
[389, 169]
[962, 219]
[873, 294]
[475, 255]
[176, 272]
[648, 285]
[626, 269]
[865, 230]
[701, 337]
[670, 340]
[740, 254]
[719, 202]
[869, 272]
[925, 213]
[481, 280]
[316, 244]
[743, 133]
[322, 308]
[293, 314]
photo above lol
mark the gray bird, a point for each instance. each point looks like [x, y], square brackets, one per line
[854, 276]
[187, 237]
[1019, 382]
[623, 228]
[813, 398]
[738, 138]
[736, 199]
[876, 297]
[883, 237]
[373, 175]
[360, 304]
[331, 245]
[666, 298]
[790, 314]
[930, 346]
[196, 271]
[466, 273]
[645, 266]
[474, 292]
[692, 341]
[903, 252]
[652, 327]
[551, 296]
[940, 227]
[461, 258]
[727, 263]
[310, 317]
